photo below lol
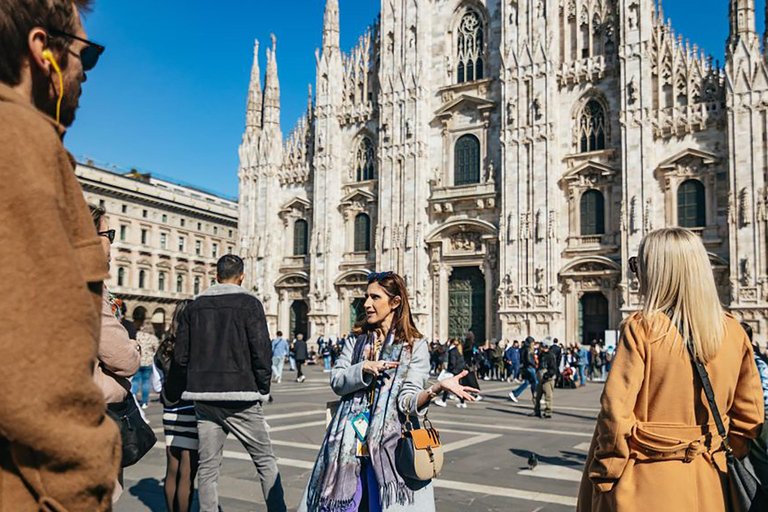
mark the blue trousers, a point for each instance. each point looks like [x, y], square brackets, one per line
[142, 378]
[582, 374]
[529, 374]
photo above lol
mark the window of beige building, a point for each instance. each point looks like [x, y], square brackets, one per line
[215, 250]
[161, 282]
[197, 285]
[120, 276]
[179, 284]
[198, 247]
[181, 244]
[123, 232]
[142, 278]
[165, 218]
[163, 240]
[144, 236]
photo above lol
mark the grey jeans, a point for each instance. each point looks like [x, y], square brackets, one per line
[246, 423]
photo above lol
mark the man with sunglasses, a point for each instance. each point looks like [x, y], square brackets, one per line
[57, 449]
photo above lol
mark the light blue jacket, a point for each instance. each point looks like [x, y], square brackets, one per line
[280, 347]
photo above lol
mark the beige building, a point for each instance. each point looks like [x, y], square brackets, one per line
[507, 157]
[168, 237]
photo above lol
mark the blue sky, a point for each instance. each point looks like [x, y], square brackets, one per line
[169, 94]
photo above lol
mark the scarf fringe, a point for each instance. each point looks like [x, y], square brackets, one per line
[394, 492]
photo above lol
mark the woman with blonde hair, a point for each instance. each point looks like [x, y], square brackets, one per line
[381, 378]
[656, 445]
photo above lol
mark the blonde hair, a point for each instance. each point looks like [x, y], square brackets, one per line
[676, 279]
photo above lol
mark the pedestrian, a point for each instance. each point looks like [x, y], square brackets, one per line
[300, 355]
[546, 374]
[656, 445]
[456, 365]
[148, 344]
[117, 357]
[381, 379]
[528, 356]
[583, 361]
[56, 448]
[223, 346]
[179, 423]
[758, 454]
[280, 349]
[513, 354]
[292, 353]
[325, 353]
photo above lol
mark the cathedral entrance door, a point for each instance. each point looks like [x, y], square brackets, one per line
[466, 303]
[299, 318]
[356, 310]
[593, 308]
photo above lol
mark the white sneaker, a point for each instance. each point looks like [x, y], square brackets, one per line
[486, 378]
[279, 380]
[461, 405]
[144, 406]
[301, 379]
[513, 397]
[440, 402]
[478, 398]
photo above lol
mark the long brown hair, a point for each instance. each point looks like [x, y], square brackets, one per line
[402, 323]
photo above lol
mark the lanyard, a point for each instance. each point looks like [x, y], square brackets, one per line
[378, 348]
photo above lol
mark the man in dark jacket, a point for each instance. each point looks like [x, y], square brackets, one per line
[300, 354]
[224, 345]
[545, 375]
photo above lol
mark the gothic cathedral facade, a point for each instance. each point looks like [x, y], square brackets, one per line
[506, 157]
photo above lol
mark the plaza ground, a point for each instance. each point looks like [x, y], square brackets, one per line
[487, 446]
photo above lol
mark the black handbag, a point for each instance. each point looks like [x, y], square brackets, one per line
[138, 438]
[745, 493]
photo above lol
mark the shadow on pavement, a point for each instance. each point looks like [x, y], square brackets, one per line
[150, 492]
[530, 408]
[567, 461]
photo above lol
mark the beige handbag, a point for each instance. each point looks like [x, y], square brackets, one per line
[419, 453]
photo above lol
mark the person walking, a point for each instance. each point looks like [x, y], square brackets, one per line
[280, 349]
[456, 365]
[292, 353]
[382, 376]
[656, 445]
[179, 423]
[56, 447]
[582, 356]
[148, 344]
[223, 346]
[300, 355]
[546, 374]
[325, 353]
[513, 356]
[529, 371]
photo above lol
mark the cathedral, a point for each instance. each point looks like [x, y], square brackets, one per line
[506, 157]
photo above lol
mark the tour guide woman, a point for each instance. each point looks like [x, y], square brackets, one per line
[382, 375]
[656, 446]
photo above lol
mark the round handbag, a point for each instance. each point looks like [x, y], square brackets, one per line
[419, 453]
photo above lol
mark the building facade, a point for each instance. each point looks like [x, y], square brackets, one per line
[506, 157]
[168, 237]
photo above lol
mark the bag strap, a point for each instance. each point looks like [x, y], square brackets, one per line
[701, 371]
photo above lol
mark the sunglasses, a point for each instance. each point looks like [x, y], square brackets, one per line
[378, 276]
[633, 264]
[109, 234]
[89, 55]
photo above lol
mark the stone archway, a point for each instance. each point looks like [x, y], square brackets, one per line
[351, 286]
[583, 282]
[290, 288]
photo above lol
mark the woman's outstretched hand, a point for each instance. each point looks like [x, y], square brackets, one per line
[377, 367]
[453, 386]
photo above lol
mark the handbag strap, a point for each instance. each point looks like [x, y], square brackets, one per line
[703, 374]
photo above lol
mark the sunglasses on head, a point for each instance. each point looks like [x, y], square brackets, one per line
[109, 234]
[633, 264]
[378, 276]
[89, 55]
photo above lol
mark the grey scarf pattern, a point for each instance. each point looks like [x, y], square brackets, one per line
[334, 479]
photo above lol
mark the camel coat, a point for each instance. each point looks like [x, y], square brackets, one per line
[58, 452]
[656, 446]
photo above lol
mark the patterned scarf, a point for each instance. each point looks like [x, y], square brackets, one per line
[334, 479]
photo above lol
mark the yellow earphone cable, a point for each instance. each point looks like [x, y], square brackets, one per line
[49, 56]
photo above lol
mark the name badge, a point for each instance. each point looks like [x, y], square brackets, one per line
[360, 425]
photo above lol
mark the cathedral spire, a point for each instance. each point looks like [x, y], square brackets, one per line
[742, 23]
[253, 115]
[331, 25]
[309, 104]
[272, 89]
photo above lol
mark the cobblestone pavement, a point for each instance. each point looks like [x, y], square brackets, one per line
[487, 446]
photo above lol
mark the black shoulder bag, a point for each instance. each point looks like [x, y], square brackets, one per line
[745, 493]
[137, 437]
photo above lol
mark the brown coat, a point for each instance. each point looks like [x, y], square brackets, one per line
[57, 451]
[118, 357]
[653, 408]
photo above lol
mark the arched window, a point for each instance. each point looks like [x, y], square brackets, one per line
[592, 127]
[471, 49]
[592, 213]
[197, 285]
[691, 205]
[362, 233]
[300, 231]
[161, 282]
[364, 160]
[466, 160]
[179, 284]
[142, 278]
[120, 276]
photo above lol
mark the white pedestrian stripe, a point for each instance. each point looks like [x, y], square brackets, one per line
[582, 447]
[441, 421]
[505, 492]
[468, 442]
[296, 426]
[554, 472]
[294, 414]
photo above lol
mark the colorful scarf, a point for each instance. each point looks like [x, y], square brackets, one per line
[334, 479]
